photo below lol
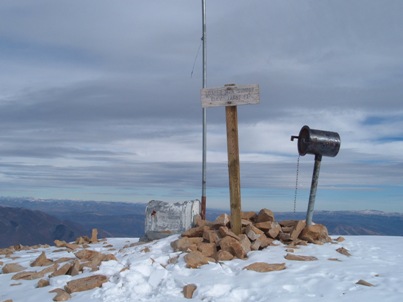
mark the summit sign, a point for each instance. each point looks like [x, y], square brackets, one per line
[230, 95]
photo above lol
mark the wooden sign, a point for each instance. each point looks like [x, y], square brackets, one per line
[230, 95]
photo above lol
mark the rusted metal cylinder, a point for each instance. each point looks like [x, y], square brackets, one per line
[317, 142]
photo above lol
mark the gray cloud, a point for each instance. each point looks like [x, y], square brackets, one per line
[97, 98]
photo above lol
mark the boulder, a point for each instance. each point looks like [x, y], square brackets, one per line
[223, 220]
[207, 249]
[94, 236]
[83, 284]
[265, 215]
[343, 251]
[300, 257]
[42, 260]
[253, 232]
[188, 290]
[12, 268]
[42, 283]
[195, 259]
[263, 267]
[186, 244]
[316, 233]
[233, 246]
[224, 256]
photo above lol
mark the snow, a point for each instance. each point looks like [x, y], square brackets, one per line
[148, 272]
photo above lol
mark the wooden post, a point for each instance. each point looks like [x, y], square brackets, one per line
[233, 167]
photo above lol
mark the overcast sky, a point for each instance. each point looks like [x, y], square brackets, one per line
[100, 100]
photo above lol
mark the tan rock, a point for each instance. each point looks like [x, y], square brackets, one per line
[233, 246]
[223, 220]
[297, 229]
[263, 241]
[74, 269]
[61, 295]
[207, 249]
[274, 230]
[245, 222]
[195, 259]
[288, 223]
[363, 282]
[72, 246]
[42, 283]
[343, 251]
[316, 233]
[263, 267]
[245, 243]
[264, 225]
[62, 270]
[224, 232]
[88, 255]
[194, 232]
[60, 243]
[224, 256]
[42, 260]
[86, 283]
[265, 215]
[12, 268]
[94, 236]
[300, 257]
[253, 232]
[188, 290]
[249, 215]
[185, 244]
[340, 239]
[211, 236]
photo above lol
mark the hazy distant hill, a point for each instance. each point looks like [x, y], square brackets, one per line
[27, 227]
[120, 219]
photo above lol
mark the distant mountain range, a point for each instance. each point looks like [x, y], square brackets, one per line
[32, 221]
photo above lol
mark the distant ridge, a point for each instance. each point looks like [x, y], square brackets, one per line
[27, 227]
[124, 219]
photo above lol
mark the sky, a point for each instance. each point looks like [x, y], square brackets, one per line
[100, 100]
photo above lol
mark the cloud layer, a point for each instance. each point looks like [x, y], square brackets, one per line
[98, 100]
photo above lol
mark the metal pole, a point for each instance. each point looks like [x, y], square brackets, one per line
[314, 185]
[204, 83]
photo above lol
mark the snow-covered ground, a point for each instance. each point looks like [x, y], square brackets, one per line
[150, 275]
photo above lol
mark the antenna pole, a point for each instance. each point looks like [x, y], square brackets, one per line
[204, 84]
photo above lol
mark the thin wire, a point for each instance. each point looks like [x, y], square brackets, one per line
[296, 185]
[197, 55]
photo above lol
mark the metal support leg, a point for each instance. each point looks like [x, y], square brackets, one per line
[314, 185]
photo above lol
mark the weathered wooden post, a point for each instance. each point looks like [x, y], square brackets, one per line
[230, 96]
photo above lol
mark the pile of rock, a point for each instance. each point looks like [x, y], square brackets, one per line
[84, 259]
[214, 241]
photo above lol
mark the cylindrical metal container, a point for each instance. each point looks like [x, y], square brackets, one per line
[317, 142]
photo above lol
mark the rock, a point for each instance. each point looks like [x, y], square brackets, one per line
[245, 243]
[188, 290]
[316, 233]
[185, 244]
[297, 229]
[264, 225]
[88, 255]
[363, 282]
[86, 283]
[74, 269]
[340, 239]
[265, 215]
[195, 259]
[249, 216]
[274, 230]
[72, 246]
[343, 251]
[224, 256]
[211, 236]
[12, 268]
[42, 260]
[253, 232]
[300, 257]
[94, 236]
[61, 295]
[60, 243]
[194, 232]
[223, 220]
[233, 246]
[62, 270]
[207, 249]
[42, 283]
[224, 231]
[263, 267]
[263, 241]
